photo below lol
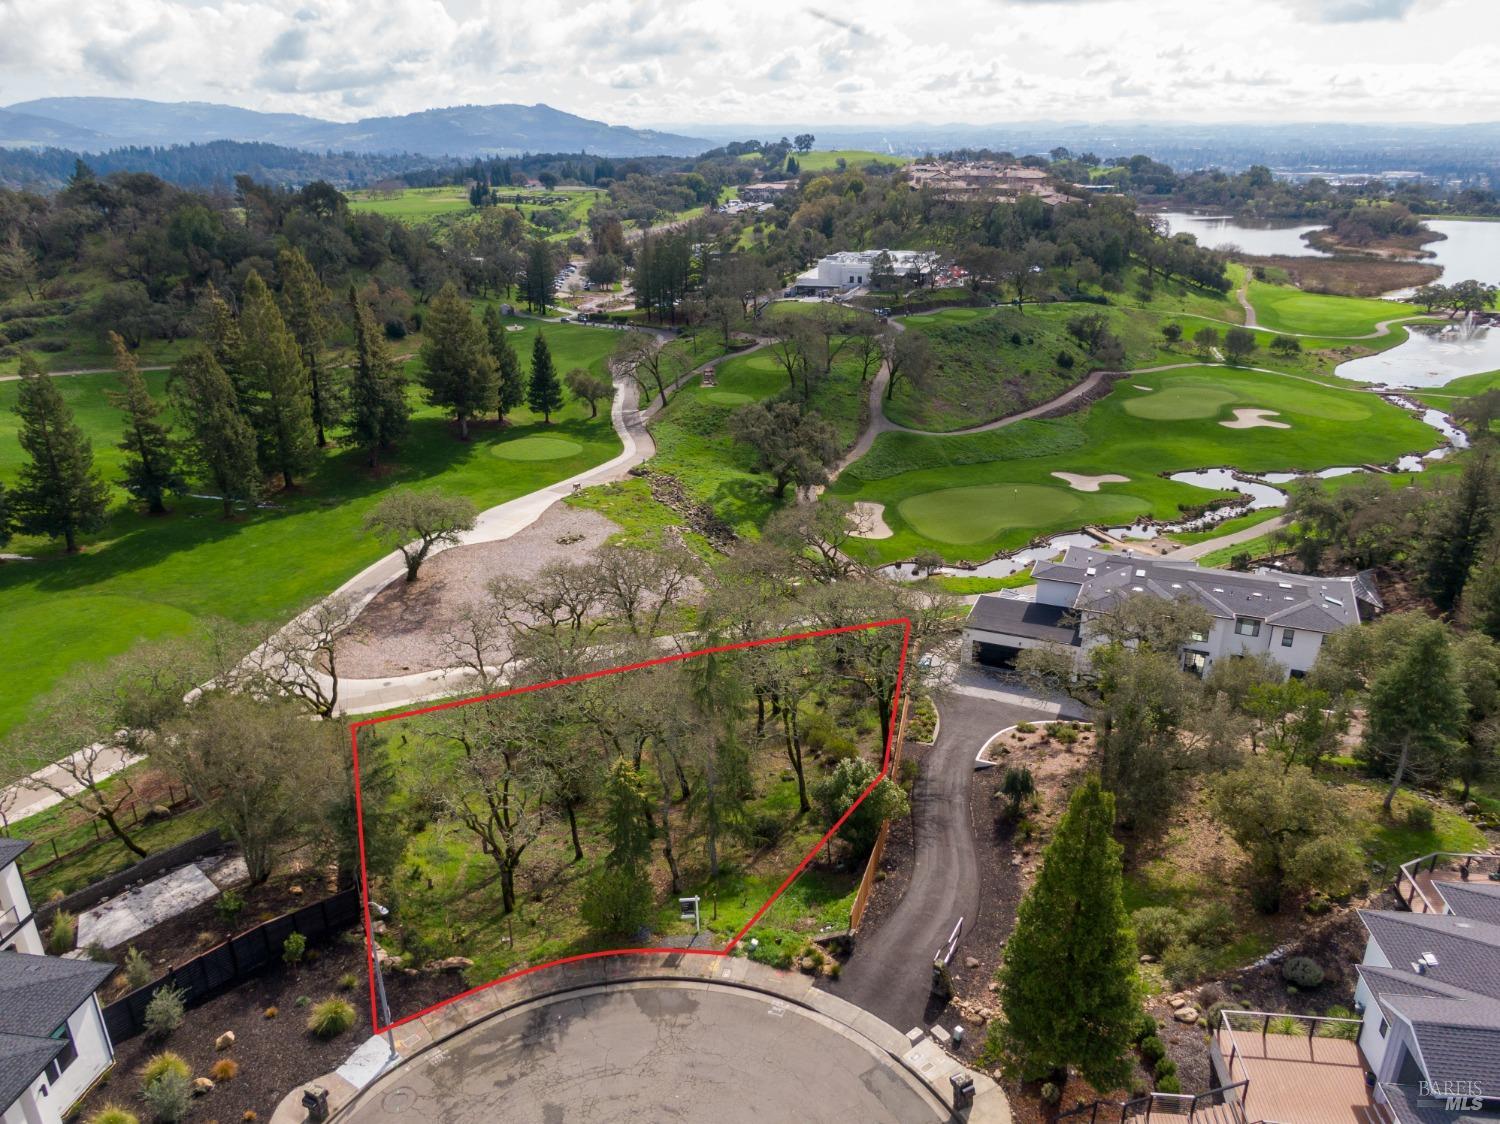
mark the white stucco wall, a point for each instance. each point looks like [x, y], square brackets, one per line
[13, 896]
[46, 1101]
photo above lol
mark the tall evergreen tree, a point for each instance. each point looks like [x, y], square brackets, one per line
[539, 275]
[378, 409]
[544, 393]
[304, 301]
[1068, 984]
[457, 367]
[59, 493]
[1416, 709]
[1459, 527]
[6, 526]
[222, 333]
[221, 442]
[280, 405]
[151, 467]
[1481, 599]
[511, 389]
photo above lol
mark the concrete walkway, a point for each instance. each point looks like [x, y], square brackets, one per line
[652, 1037]
[29, 795]
[1208, 546]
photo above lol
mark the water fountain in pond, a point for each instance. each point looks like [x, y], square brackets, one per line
[1467, 328]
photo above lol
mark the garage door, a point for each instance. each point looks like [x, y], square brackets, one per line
[995, 655]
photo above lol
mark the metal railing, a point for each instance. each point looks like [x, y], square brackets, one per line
[872, 866]
[1408, 885]
[1216, 1104]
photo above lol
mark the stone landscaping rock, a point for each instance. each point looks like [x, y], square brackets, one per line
[970, 962]
[224, 1041]
[202, 1085]
[1186, 1014]
[1176, 1002]
[450, 964]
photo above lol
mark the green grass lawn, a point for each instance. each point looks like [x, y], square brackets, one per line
[141, 577]
[968, 497]
[855, 158]
[414, 204]
[693, 442]
[1283, 309]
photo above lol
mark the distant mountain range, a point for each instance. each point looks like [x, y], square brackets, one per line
[100, 124]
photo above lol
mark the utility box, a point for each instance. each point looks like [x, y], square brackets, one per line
[963, 1089]
[315, 1100]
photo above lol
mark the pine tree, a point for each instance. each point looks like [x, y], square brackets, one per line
[1068, 984]
[544, 393]
[304, 298]
[276, 382]
[511, 391]
[539, 275]
[6, 527]
[457, 367]
[378, 409]
[1481, 600]
[222, 333]
[618, 899]
[221, 442]
[58, 493]
[1459, 528]
[151, 468]
[1416, 709]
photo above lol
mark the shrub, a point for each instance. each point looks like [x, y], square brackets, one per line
[395, 329]
[331, 1018]
[138, 970]
[1186, 963]
[229, 907]
[270, 1012]
[1286, 1024]
[1065, 360]
[294, 948]
[170, 1096]
[1349, 1030]
[1025, 728]
[1165, 1067]
[348, 981]
[1420, 817]
[1065, 734]
[1157, 928]
[619, 901]
[1211, 925]
[771, 954]
[1145, 1027]
[114, 1114]
[165, 1011]
[1302, 971]
[1169, 1084]
[63, 936]
[225, 1069]
[164, 1063]
[1051, 1094]
[1152, 1051]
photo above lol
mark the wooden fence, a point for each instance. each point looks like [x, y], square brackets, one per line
[867, 883]
[129, 816]
[237, 959]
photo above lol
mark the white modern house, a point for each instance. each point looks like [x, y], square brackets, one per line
[18, 931]
[1284, 616]
[850, 269]
[53, 1041]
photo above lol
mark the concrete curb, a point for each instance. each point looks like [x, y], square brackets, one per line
[924, 1062]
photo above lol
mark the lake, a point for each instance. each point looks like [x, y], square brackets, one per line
[1470, 250]
[1427, 360]
[1251, 238]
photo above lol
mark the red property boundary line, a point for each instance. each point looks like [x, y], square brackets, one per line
[728, 949]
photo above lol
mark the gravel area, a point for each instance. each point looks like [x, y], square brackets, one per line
[401, 631]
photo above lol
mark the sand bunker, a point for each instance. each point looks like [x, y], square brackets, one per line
[1254, 419]
[1138, 386]
[1089, 483]
[867, 521]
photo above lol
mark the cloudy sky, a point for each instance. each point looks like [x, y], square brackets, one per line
[685, 62]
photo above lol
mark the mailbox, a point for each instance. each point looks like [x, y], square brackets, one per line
[315, 1100]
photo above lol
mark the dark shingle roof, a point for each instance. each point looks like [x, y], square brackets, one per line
[21, 1060]
[1387, 983]
[1023, 618]
[38, 993]
[1459, 1039]
[1478, 901]
[1290, 600]
[11, 850]
[1410, 1107]
[1467, 952]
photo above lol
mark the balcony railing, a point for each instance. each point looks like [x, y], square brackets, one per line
[1217, 1106]
[11, 919]
[1413, 885]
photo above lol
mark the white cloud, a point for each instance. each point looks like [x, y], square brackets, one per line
[686, 61]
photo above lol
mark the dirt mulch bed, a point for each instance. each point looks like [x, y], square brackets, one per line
[274, 1055]
[403, 630]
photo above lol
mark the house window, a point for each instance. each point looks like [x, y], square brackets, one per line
[1288, 635]
[1194, 662]
[1246, 626]
[60, 1063]
[1384, 1026]
[1198, 637]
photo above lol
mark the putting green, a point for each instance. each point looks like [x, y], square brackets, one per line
[966, 515]
[537, 449]
[762, 363]
[1179, 403]
[727, 397]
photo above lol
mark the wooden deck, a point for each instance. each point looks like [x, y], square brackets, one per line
[1427, 900]
[1295, 1079]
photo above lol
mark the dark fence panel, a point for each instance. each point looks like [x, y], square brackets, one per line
[149, 867]
[245, 955]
